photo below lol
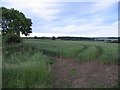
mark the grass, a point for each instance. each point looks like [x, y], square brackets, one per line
[25, 68]
[80, 50]
[89, 54]
[27, 65]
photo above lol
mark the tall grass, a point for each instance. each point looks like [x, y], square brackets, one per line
[24, 67]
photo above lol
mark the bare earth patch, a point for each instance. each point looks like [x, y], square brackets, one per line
[72, 74]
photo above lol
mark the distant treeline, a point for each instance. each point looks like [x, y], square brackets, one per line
[108, 39]
[62, 38]
[36, 37]
[118, 39]
[76, 38]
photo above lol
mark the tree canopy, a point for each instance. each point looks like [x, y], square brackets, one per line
[15, 22]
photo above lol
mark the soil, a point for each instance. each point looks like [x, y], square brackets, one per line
[73, 74]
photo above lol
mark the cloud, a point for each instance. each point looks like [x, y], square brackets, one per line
[90, 29]
[106, 31]
[69, 18]
[102, 6]
[44, 9]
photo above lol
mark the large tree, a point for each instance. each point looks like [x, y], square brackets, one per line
[14, 21]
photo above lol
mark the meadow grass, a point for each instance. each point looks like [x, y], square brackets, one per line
[25, 68]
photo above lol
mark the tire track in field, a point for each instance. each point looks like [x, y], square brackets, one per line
[81, 50]
[99, 52]
[57, 54]
[96, 52]
[85, 48]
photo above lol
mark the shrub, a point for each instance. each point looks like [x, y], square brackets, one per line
[11, 38]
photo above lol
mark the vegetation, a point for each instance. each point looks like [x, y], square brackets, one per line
[15, 22]
[78, 50]
[53, 38]
[27, 64]
[25, 67]
[11, 38]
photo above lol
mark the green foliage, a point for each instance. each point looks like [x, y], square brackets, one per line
[11, 38]
[15, 21]
[25, 67]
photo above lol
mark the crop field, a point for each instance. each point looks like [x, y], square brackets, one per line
[78, 50]
[38, 63]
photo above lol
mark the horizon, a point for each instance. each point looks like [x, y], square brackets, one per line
[77, 19]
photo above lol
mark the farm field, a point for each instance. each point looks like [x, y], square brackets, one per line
[78, 50]
[56, 63]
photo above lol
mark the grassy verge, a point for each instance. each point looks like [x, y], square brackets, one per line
[25, 67]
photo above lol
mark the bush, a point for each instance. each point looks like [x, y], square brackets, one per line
[11, 38]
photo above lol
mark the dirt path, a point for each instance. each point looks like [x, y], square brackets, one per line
[72, 74]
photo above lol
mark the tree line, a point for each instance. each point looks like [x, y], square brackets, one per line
[76, 38]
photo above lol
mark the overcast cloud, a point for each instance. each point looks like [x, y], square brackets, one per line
[59, 18]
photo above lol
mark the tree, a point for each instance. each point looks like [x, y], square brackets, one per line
[118, 39]
[53, 38]
[15, 22]
[35, 37]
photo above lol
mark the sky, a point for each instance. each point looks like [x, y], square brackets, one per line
[82, 18]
